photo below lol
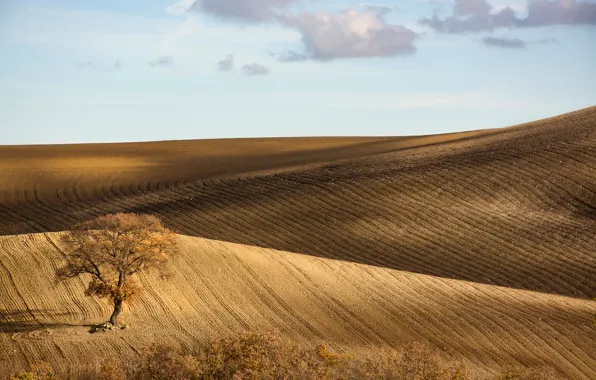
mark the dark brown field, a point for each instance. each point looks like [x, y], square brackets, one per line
[482, 244]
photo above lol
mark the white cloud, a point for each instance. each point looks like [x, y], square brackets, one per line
[349, 34]
[255, 69]
[243, 10]
[473, 16]
[180, 7]
[517, 5]
[162, 62]
[134, 40]
[226, 64]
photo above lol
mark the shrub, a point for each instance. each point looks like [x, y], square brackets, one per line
[536, 373]
[417, 361]
[248, 356]
[163, 362]
[37, 371]
[111, 370]
[268, 356]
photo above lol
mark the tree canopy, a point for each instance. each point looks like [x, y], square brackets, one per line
[111, 249]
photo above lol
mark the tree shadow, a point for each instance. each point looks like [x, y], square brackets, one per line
[23, 321]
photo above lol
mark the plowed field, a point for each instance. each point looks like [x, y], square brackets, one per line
[480, 243]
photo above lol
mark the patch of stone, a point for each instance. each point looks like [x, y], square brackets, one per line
[107, 327]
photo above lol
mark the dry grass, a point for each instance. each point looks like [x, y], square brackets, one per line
[254, 356]
[480, 244]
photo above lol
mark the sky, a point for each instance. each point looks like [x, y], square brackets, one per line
[141, 70]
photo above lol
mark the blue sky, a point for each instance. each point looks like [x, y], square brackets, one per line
[138, 70]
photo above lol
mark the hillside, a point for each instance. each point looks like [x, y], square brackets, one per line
[221, 288]
[481, 243]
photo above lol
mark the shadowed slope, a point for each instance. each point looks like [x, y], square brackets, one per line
[52, 171]
[221, 288]
[514, 207]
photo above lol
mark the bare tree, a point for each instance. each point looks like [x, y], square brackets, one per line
[111, 249]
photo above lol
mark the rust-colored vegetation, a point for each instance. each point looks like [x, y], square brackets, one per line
[253, 356]
[113, 248]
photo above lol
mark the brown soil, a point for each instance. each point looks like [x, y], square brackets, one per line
[481, 243]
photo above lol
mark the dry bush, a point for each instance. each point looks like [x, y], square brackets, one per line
[535, 373]
[111, 370]
[163, 362]
[248, 356]
[37, 371]
[421, 361]
[544, 373]
[417, 361]
[513, 373]
[268, 356]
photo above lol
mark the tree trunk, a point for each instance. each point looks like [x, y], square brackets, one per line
[114, 319]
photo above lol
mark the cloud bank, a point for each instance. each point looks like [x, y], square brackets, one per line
[349, 34]
[226, 64]
[515, 43]
[180, 7]
[365, 32]
[471, 8]
[161, 62]
[381, 10]
[255, 69]
[90, 65]
[504, 42]
[472, 16]
[325, 36]
[252, 11]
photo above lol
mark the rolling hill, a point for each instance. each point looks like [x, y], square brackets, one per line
[481, 243]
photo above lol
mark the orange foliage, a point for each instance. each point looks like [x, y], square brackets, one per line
[111, 249]
[267, 356]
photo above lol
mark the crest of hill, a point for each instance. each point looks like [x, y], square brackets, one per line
[512, 207]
